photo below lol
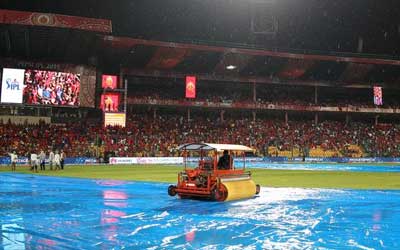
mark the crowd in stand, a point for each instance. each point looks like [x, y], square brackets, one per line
[147, 135]
[51, 88]
[24, 138]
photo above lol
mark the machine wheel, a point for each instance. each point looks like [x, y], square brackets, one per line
[219, 194]
[258, 189]
[171, 190]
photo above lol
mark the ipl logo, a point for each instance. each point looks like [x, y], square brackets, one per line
[12, 85]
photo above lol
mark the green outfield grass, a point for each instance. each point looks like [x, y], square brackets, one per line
[264, 177]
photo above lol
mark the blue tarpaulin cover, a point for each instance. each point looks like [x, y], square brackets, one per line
[38, 212]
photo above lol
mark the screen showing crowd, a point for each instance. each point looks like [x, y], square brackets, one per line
[51, 88]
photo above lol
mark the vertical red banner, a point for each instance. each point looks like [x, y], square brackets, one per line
[378, 97]
[109, 81]
[190, 87]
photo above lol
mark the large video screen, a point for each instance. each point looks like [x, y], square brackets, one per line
[40, 87]
[51, 88]
[12, 85]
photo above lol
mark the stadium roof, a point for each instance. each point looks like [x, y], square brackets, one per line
[334, 25]
[50, 37]
[209, 62]
[94, 45]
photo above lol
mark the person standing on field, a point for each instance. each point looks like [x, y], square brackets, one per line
[57, 160]
[62, 159]
[51, 159]
[42, 158]
[34, 162]
[13, 158]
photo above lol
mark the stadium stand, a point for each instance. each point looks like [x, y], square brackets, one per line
[161, 90]
[145, 135]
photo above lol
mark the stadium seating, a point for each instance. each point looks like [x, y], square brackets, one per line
[159, 136]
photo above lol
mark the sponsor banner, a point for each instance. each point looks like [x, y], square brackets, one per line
[80, 160]
[275, 159]
[314, 159]
[371, 159]
[249, 159]
[123, 160]
[192, 159]
[297, 159]
[396, 159]
[375, 159]
[388, 159]
[337, 159]
[68, 160]
[146, 160]
[238, 159]
[343, 159]
[20, 160]
[179, 160]
[114, 119]
[12, 85]
[320, 159]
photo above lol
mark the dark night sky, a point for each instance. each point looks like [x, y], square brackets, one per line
[328, 25]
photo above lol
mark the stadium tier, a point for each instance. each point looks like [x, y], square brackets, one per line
[145, 135]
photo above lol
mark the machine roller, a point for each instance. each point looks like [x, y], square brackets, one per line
[214, 178]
